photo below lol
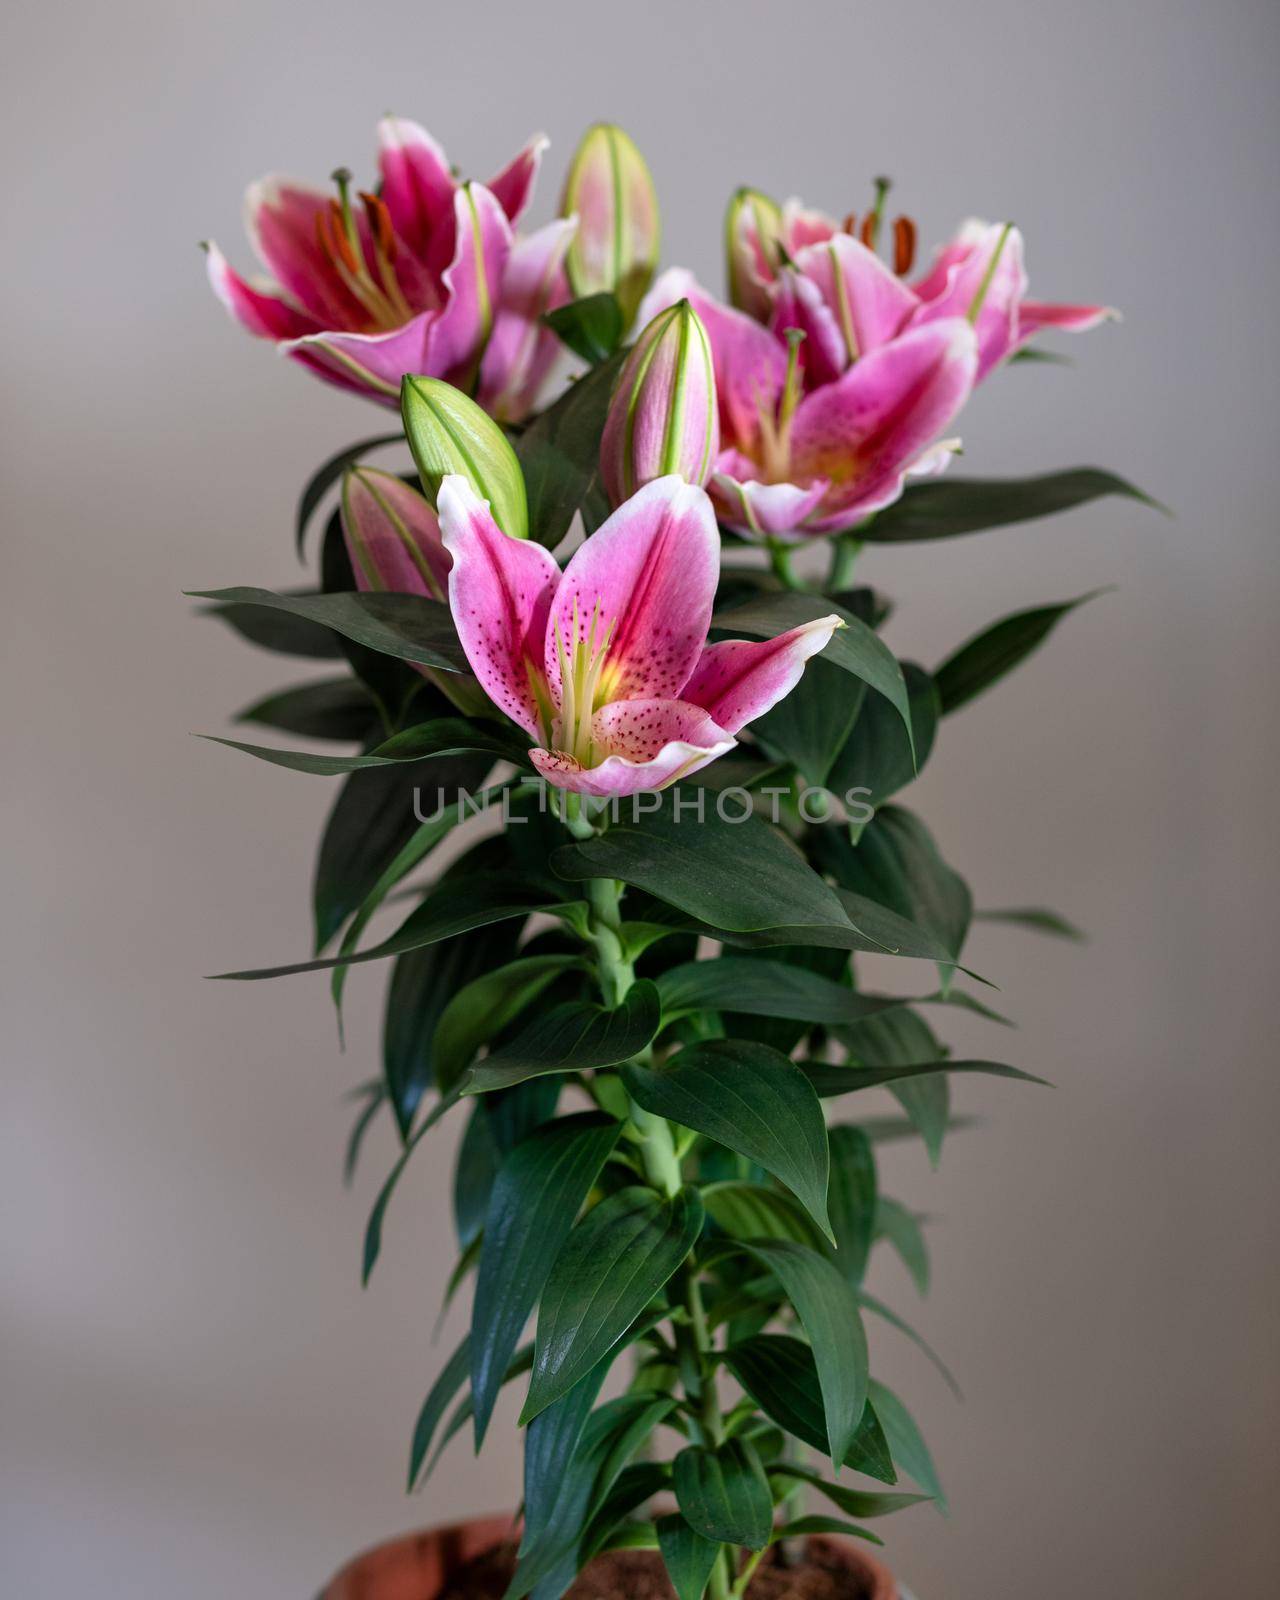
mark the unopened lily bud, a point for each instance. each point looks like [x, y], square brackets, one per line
[392, 536]
[611, 191]
[752, 242]
[448, 432]
[663, 417]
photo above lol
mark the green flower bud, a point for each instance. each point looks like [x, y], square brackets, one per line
[448, 432]
[611, 190]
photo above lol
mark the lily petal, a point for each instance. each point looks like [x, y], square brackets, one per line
[262, 311]
[417, 183]
[738, 680]
[761, 510]
[522, 351]
[870, 304]
[472, 285]
[1036, 314]
[371, 362]
[750, 363]
[802, 225]
[650, 744]
[650, 573]
[500, 593]
[392, 535]
[862, 432]
[799, 303]
[997, 324]
[280, 218]
[513, 187]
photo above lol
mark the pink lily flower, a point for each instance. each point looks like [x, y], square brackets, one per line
[606, 665]
[417, 278]
[792, 462]
[392, 535]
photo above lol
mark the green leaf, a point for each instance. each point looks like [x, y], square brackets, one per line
[613, 1263]
[559, 454]
[688, 1557]
[828, 1312]
[942, 509]
[852, 1198]
[904, 1039]
[591, 327]
[908, 1332]
[857, 1502]
[831, 1080]
[278, 631]
[906, 1442]
[780, 1375]
[856, 648]
[750, 1211]
[340, 709]
[537, 1194]
[374, 1094]
[571, 1038]
[724, 1495]
[764, 988]
[373, 1228]
[1048, 358]
[903, 1231]
[809, 726]
[876, 757]
[697, 866]
[442, 736]
[997, 650]
[326, 476]
[404, 626]
[486, 1006]
[1038, 919]
[435, 1405]
[550, 1447]
[474, 1170]
[752, 1099]
[803, 1527]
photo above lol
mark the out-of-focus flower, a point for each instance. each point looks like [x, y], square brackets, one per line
[663, 416]
[449, 433]
[607, 664]
[365, 287]
[392, 535]
[611, 192]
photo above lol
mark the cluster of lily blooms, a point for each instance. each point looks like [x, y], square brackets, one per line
[799, 408]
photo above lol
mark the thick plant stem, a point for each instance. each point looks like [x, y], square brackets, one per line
[780, 560]
[845, 550]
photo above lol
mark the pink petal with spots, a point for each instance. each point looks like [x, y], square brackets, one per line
[869, 303]
[863, 432]
[761, 510]
[513, 187]
[750, 363]
[500, 592]
[392, 535]
[649, 573]
[280, 217]
[261, 311]
[648, 743]
[522, 350]
[739, 680]
[417, 184]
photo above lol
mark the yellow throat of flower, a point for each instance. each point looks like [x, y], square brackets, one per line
[586, 679]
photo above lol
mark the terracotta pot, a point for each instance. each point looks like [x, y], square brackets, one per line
[416, 1567]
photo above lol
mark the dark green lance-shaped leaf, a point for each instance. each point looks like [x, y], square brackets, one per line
[340, 709]
[856, 648]
[809, 727]
[683, 852]
[890, 1316]
[373, 1228]
[278, 631]
[451, 908]
[941, 509]
[754, 1100]
[613, 1263]
[875, 759]
[435, 1405]
[325, 477]
[537, 1194]
[571, 1038]
[764, 988]
[486, 1006]
[852, 1198]
[591, 326]
[903, 1231]
[780, 1375]
[831, 1080]
[724, 1495]
[750, 1211]
[857, 1502]
[904, 1039]
[687, 1556]
[441, 736]
[551, 1442]
[1038, 919]
[473, 1173]
[369, 823]
[404, 626]
[906, 1442]
[806, 1527]
[559, 454]
[997, 650]
[828, 1312]
[373, 1094]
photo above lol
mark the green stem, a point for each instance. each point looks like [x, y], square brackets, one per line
[780, 560]
[845, 551]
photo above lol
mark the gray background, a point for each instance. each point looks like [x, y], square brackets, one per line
[198, 1399]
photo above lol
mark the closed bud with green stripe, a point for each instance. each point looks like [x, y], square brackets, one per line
[663, 417]
[610, 191]
[392, 536]
[449, 433]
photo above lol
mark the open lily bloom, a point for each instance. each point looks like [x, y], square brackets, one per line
[819, 432]
[424, 276]
[607, 664]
